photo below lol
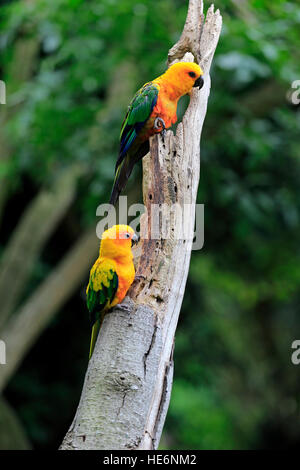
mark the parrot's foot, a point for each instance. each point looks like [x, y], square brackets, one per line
[163, 135]
[159, 125]
[139, 277]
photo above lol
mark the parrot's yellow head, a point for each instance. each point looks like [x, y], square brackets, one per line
[183, 76]
[116, 242]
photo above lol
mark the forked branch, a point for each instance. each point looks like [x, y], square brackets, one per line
[128, 383]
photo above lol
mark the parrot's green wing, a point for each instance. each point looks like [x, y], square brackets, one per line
[101, 291]
[102, 287]
[139, 111]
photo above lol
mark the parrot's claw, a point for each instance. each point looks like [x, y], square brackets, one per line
[139, 277]
[163, 135]
[159, 125]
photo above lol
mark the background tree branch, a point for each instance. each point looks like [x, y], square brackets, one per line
[18, 73]
[27, 324]
[12, 434]
[36, 226]
[128, 382]
[33, 231]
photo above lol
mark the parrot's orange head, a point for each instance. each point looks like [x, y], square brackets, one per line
[183, 76]
[116, 242]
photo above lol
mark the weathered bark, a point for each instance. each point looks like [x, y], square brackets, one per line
[127, 387]
[27, 324]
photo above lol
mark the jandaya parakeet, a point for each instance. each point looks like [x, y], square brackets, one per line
[111, 275]
[152, 110]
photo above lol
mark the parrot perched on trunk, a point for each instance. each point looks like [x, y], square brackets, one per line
[111, 275]
[152, 110]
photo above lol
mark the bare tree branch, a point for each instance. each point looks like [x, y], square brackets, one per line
[34, 229]
[27, 324]
[12, 434]
[128, 383]
[19, 71]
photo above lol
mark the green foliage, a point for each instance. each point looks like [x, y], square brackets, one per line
[235, 386]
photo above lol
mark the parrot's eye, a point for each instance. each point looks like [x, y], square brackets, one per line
[192, 74]
[127, 235]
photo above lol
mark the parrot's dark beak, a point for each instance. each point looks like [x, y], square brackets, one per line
[135, 239]
[199, 82]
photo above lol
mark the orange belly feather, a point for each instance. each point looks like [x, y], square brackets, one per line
[126, 273]
[165, 108]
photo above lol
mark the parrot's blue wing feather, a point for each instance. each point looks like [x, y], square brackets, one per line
[138, 113]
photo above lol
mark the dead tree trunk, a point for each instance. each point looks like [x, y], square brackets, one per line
[127, 387]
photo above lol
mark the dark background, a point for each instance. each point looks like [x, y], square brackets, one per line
[71, 67]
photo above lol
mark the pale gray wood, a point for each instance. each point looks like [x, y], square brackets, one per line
[128, 383]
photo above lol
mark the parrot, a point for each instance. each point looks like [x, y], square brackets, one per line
[152, 110]
[111, 275]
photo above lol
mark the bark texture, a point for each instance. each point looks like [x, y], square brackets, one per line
[128, 383]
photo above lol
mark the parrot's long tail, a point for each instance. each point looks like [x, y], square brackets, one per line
[95, 331]
[121, 177]
[124, 169]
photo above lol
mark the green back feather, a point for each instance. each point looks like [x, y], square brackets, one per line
[100, 294]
